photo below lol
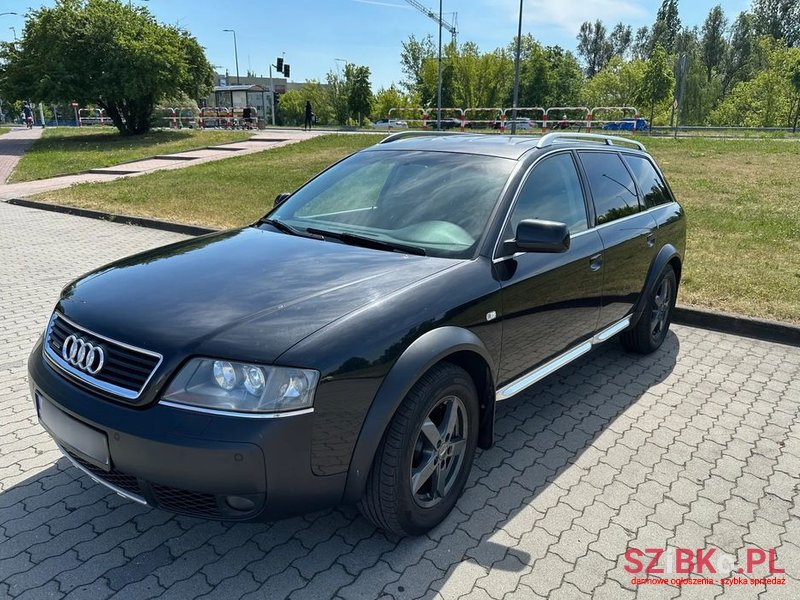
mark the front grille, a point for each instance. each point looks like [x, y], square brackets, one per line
[129, 483]
[125, 371]
[186, 502]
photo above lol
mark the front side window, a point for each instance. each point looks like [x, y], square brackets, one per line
[654, 190]
[437, 201]
[613, 190]
[552, 192]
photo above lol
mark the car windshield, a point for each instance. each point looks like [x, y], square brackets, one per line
[437, 202]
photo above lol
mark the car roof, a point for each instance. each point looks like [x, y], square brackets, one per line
[503, 146]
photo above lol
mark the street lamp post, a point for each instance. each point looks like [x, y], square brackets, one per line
[439, 76]
[516, 73]
[338, 84]
[235, 53]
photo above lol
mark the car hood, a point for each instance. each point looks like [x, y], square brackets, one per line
[247, 294]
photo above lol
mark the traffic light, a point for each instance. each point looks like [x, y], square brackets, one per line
[286, 71]
[279, 63]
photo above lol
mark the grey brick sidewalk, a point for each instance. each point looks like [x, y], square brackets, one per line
[12, 146]
[697, 446]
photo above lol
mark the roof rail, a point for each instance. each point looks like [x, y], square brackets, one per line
[610, 140]
[393, 137]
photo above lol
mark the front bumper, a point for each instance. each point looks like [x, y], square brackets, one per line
[224, 467]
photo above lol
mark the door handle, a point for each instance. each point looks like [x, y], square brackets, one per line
[651, 240]
[596, 262]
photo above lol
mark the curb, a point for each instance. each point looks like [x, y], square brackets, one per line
[123, 219]
[760, 329]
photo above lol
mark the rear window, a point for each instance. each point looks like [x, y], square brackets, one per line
[613, 190]
[654, 190]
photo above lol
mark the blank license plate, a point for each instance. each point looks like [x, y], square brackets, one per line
[86, 442]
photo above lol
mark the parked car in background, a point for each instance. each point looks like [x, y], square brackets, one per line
[351, 345]
[390, 124]
[639, 124]
[523, 123]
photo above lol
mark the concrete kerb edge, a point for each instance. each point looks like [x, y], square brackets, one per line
[760, 329]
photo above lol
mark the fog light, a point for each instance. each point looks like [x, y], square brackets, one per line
[239, 503]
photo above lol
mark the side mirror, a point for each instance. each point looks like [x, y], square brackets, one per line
[281, 198]
[534, 235]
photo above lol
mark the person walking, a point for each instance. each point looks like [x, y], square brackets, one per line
[27, 113]
[309, 116]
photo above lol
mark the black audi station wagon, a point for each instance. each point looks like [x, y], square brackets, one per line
[351, 345]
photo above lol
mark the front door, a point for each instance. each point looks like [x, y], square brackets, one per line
[550, 301]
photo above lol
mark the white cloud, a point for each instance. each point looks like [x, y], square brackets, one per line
[378, 3]
[568, 15]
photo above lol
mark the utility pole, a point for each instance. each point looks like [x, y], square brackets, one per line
[439, 83]
[235, 53]
[516, 73]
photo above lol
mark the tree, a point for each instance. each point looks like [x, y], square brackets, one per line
[641, 43]
[292, 107]
[667, 26]
[770, 98]
[738, 64]
[412, 58]
[359, 91]
[104, 53]
[594, 46]
[621, 38]
[658, 80]
[714, 40]
[391, 97]
[619, 84]
[779, 19]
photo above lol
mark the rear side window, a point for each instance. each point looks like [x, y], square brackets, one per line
[552, 192]
[654, 190]
[613, 190]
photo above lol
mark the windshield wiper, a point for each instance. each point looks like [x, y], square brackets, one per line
[286, 228]
[367, 242]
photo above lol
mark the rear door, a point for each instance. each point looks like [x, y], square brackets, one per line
[550, 301]
[627, 233]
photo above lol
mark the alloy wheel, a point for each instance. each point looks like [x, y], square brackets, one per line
[662, 303]
[439, 451]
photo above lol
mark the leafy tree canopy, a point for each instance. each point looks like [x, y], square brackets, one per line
[104, 53]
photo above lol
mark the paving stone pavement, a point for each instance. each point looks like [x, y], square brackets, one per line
[696, 446]
[13, 145]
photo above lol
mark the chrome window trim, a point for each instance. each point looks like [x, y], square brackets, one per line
[57, 361]
[111, 486]
[233, 413]
[528, 379]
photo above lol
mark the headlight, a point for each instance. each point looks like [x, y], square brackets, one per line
[242, 387]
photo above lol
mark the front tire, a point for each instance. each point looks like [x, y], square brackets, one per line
[649, 332]
[425, 456]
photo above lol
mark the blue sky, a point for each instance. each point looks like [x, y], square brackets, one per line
[313, 33]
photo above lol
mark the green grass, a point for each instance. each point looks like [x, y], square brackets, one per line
[67, 150]
[225, 193]
[742, 200]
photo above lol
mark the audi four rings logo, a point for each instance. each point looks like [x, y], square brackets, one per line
[80, 353]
